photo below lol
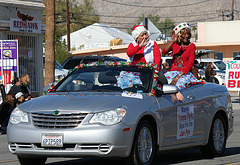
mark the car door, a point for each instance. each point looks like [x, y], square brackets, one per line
[198, 103]
[184, 123]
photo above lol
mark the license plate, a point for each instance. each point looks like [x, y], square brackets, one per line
[52, 141]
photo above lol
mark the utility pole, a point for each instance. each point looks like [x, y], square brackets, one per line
[49, 43]
[223, 13]
[68, 27]
[146, 22]
[232, 10]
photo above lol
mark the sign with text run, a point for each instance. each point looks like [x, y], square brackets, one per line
[232, 78]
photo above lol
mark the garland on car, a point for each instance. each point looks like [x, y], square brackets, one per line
[118, 63]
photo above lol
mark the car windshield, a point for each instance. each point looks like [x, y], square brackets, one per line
[237, 58]
[107, 79]
[221, 65]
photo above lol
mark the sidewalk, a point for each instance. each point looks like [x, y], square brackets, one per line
[235, 100]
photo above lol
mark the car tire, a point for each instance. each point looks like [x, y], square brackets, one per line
[144, 145]
[31, 161]
[217, 138]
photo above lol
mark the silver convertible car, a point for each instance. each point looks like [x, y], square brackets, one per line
[115, 109]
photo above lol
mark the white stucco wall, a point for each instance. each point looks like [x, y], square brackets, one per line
[222, 31]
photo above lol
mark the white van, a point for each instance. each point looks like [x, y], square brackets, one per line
[219, 66]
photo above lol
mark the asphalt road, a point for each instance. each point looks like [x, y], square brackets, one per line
[189, 157]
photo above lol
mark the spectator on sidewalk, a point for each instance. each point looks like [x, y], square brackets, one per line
[16, 87]
[212, 77]
[25, 87]
[6, 109]
[208, 71]
[20, 98]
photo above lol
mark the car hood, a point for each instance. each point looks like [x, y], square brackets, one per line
[84, 102]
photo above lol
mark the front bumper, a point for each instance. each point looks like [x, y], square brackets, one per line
[83, 141]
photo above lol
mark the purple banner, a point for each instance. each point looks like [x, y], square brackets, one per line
[8, 60]
[9, 52]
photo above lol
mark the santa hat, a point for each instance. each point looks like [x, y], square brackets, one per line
[138, 29]
[18, 95]
[181, 26]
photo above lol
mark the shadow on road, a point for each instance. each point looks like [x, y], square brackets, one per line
[163, 159]
[90, 161]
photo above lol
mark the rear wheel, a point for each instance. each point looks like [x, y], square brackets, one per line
[31, 161]
[217, 138]
[143, 149]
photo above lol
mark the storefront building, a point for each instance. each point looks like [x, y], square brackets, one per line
[21, 20]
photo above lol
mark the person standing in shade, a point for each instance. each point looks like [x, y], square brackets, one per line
[16, 87]
[6, 108]
[208, 71]
[212, 77]
[25, 87]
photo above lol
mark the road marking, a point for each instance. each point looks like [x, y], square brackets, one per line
[5, 161]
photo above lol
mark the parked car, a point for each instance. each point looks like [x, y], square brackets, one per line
[236, 57]
[219, 66]
[118, 110]
[60, 72]
[73, 61]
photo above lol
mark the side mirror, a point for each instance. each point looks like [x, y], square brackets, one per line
[167, 89]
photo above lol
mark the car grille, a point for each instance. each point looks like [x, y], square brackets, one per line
[99, 148]
[51, 121]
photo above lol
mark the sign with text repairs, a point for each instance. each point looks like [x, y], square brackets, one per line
[232, 78]
[19, 25]
[185, 121]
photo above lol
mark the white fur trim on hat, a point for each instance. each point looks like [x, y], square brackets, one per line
[137, 30]
[19, 94]
[181, 26]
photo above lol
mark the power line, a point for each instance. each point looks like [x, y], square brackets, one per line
[189, 14]
[118, 16]
[166, 6]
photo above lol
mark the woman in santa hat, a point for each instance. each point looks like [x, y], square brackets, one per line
[142, 49]
[183, 53]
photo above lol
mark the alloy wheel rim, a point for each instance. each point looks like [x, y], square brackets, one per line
[145, 144]
[218, 135]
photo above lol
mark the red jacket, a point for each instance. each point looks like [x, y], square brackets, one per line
[138, 53]
[188, 56]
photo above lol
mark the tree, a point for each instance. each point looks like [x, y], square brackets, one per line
[167, 25]
[61, 51]
[81, 15]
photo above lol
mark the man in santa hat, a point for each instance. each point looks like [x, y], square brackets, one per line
[142, 49]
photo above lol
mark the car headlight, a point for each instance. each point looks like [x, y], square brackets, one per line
[18, 116]
[109, 117]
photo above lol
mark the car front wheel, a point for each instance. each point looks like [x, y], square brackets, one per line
[143, 148]
[217, 138]
[31, 161]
